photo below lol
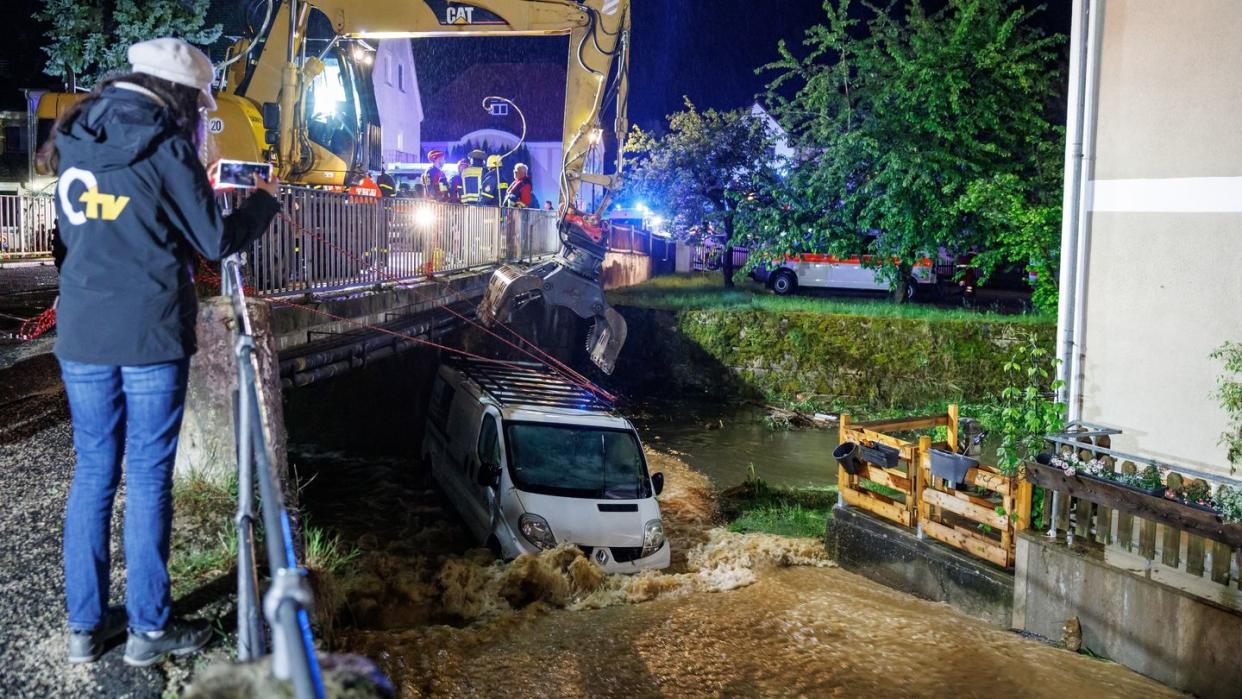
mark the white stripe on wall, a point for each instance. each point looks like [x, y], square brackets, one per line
[1202, 195]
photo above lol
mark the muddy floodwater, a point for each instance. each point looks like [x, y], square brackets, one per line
[736, 614]
[724, 441]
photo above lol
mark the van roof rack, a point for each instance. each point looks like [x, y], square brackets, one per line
[527, 383]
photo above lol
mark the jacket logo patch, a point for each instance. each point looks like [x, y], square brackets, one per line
[96, 204]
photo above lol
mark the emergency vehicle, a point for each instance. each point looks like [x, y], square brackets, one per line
[818, 271]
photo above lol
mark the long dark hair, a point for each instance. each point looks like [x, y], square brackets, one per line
[180, 101]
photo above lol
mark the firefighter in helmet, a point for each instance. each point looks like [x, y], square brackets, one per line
[435, 184]
[492, 192]
[472, 177]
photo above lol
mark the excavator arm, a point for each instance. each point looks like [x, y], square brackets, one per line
[597, 71]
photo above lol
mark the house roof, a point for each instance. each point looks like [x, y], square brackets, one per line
[537, 88]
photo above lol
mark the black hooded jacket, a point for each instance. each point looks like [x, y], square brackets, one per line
[133, 205]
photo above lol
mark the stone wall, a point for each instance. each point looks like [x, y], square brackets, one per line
[855, 360]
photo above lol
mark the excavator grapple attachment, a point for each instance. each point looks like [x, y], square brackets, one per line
[561, 282]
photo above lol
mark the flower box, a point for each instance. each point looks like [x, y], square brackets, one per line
[1194, 519]
[881, 455]
[951, 467]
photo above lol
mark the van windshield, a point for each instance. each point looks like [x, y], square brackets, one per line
[580, 462]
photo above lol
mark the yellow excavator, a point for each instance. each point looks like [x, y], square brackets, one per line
[266, 112]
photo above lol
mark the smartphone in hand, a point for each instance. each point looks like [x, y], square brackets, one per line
[239, 174]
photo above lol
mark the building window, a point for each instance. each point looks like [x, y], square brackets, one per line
[401, 77]
[388, 70]
[498, 109]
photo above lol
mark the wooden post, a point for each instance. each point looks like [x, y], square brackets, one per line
[1194, 555]
[1007, 503]
[1060, 515]
[1103, 525]
[1026, 492]
[924, 456]
[1147, 539]
[1172, 554]
[1221, 553]
[1082, 517]
[915, 495]
[843, 478]
[953, 422]
[1125, 520]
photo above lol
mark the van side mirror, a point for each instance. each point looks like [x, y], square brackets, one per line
[271, 116]
[488, 475]
[657, 482]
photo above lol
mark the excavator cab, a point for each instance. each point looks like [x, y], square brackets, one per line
[571, 279]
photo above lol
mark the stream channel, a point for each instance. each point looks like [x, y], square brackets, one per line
[735, 615]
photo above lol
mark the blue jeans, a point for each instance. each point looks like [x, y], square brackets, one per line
[136, 411]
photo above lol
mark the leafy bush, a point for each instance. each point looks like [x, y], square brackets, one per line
[1028, 413]
[1229, 503]
[1229, 392]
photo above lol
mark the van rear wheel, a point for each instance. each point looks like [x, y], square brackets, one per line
[784, 282]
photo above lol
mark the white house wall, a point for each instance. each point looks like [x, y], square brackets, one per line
[398, 100]
[1165, 258]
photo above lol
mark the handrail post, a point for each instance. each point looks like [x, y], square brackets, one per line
[289, 597]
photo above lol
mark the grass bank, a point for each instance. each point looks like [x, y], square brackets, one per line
[869, 358]
[703, 290]
[755, 506]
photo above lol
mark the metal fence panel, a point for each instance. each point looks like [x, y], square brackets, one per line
[332, 240]
[26, 224]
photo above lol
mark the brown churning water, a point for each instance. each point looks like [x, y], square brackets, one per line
[736, 615]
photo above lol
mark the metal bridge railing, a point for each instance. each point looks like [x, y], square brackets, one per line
[331, 240]
[26, 223]
[287, 603]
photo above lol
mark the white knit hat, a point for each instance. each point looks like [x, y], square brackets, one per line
[177, 61]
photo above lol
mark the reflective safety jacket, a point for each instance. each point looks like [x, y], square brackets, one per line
[387, 185]
[471, 184]
[493, 189]
[521, 194]
[435, 184]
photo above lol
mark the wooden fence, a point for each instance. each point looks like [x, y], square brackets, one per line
[1154, 531]
[980, 515]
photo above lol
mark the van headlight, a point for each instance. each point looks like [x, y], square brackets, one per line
[536, 530]
[653, 537]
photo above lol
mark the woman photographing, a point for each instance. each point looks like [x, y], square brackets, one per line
[134, 205]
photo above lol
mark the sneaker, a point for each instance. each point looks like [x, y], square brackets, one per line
[178, 638]
[87, 646]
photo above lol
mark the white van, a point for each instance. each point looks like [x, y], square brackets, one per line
[531, 461]
[828, 272]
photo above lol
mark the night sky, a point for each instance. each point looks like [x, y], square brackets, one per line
[705, 49]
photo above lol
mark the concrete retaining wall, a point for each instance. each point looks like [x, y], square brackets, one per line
[1164, 633]
[895, 557]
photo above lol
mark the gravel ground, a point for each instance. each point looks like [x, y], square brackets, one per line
[36, 467]
[26, 290]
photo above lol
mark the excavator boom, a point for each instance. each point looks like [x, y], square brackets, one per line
[597, 71]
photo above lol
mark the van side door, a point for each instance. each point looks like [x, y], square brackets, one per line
[485, 472]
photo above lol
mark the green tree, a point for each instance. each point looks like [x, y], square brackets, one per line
[919, 131]
[709, 170]
[87, 39]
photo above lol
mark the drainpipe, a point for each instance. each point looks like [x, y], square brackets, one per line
[1069, 198]
[1094, 30]
[1079, 144]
